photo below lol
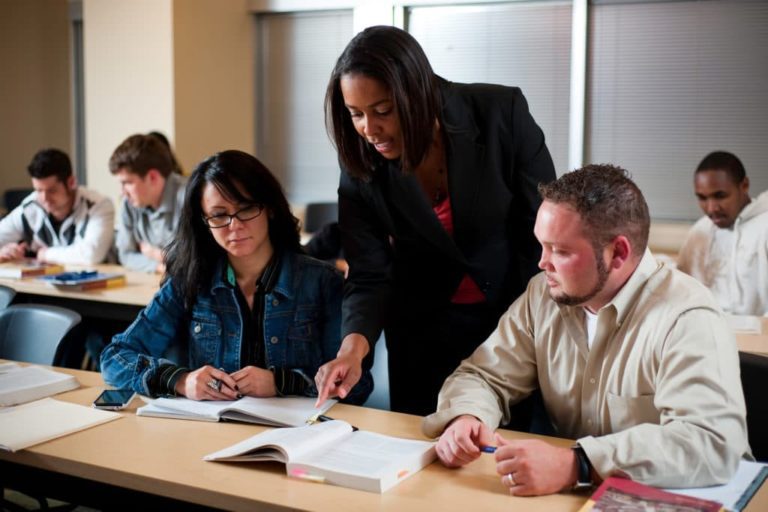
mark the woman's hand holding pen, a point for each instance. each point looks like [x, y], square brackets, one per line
[462, 441]
[337, 377]
[207, 383]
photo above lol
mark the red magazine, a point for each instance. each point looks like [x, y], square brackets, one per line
[623, 495]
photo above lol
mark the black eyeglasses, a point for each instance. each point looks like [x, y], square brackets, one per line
[222, 220]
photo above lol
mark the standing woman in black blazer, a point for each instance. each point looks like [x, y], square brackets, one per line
[437, 202]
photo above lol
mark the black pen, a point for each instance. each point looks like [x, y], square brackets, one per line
[323, 417]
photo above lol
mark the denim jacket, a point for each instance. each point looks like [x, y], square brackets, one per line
[302, 321]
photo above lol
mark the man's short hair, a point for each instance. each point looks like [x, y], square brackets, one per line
[50, 162]
[608, 201]
[139, 153]
[723, 161]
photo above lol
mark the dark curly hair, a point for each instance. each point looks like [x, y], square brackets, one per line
[608, 201]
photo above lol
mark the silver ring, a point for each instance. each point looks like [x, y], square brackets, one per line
[214, 384]
[511, 480]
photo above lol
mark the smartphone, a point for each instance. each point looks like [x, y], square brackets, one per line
[114, 399]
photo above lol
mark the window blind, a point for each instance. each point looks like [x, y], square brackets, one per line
[669, 82]
[295, 56]
[523, 44]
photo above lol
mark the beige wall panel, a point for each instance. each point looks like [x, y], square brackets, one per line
[214, 76]
[36, 84]
[128, 78]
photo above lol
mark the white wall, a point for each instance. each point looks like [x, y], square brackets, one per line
[35, 90]
[129, 88]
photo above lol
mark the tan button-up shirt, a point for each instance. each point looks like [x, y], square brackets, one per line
[657, 398]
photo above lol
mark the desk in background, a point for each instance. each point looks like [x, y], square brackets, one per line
[756, 343]
[105, 312]
[119, 303]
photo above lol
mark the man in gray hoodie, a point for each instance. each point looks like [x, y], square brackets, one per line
[727, 249]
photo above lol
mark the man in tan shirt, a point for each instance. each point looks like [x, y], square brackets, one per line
[633, 359]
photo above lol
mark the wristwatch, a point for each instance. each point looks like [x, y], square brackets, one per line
[584, 478]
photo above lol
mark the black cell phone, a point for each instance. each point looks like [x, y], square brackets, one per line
[114, 399]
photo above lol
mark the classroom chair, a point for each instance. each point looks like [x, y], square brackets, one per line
[754, 368]
[318, 215]
[6, 296]
[13, 197]
[33, 332]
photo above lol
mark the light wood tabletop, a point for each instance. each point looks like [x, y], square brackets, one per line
[164, 457]
[138, 290]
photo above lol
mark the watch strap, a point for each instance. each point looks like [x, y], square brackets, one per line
[584, 478]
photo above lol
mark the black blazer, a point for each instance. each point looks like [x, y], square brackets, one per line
[399, 254]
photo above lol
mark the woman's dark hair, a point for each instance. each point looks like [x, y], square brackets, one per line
[394, 58]
[192, 255]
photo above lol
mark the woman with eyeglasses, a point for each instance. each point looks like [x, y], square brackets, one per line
[242, 311]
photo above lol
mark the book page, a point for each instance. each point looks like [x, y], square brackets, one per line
[46, 419]
[366, 453]
[284, 444]
[278, 411]
[729, 493]
[292, 411]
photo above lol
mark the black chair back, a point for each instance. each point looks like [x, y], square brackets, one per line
[318, 215]
[12, 197]
[754, 377]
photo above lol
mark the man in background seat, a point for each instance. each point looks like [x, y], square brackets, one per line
[153, 195]
[59, 222]
[727, 249]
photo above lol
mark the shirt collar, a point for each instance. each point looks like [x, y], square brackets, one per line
[623, 301]
[276, 276]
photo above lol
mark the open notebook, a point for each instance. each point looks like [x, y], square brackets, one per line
[289, 411]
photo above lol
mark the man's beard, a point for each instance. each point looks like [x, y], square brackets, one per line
[575, 300]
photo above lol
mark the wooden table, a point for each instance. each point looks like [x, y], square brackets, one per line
[120, 303]
[163, 458]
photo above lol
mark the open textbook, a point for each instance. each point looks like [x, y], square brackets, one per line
[19, 384]
[36, 422]
[288, 411]
[333, 452]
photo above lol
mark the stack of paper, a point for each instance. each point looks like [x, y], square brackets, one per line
[24, 384]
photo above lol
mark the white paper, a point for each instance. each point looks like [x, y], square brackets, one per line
[729, 493]
[36, 422]
[745, 324]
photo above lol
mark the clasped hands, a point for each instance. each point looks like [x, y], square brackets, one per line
[529, 467]
[209, 383]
